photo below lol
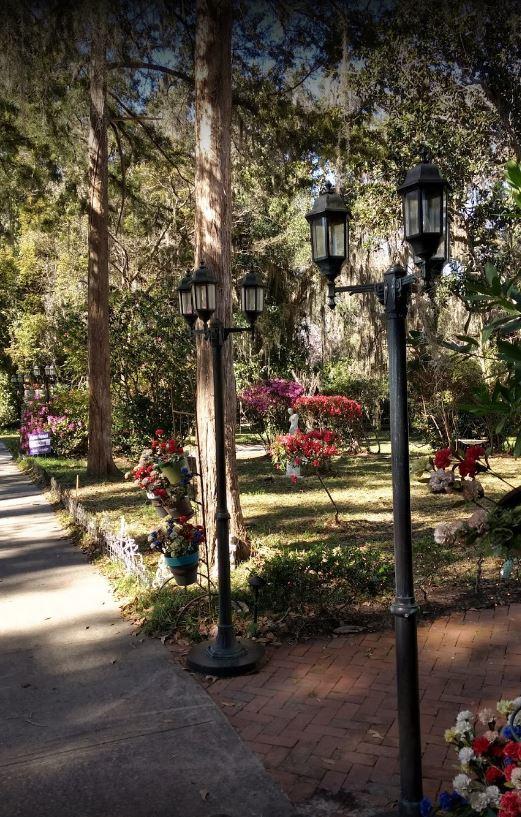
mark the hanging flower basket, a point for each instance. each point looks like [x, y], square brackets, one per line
[172, 470]
[184, 568]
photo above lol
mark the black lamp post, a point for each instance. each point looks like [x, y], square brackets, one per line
[226, 654]
[425, 216]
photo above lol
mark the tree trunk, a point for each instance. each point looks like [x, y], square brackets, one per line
[100, 462]
[213, 97]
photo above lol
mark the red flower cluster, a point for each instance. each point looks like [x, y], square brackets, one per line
[510, 804]
[442, 458]
[468, 466]
[314, 448]
[165, 447]
[321, 406]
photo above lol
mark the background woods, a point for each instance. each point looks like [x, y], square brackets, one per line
[138, 141]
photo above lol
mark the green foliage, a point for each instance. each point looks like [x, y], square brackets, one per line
[442, 386]
[503, 536]
[320, 575]
[371, 391]
[8, 407]
[500, 296]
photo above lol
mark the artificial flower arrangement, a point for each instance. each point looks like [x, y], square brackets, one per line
[163, 473]
[489, 782]
[180, 538]
[179, 544]
[314, 448]
[443, 480]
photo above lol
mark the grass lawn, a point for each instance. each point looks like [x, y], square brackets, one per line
[290, 524]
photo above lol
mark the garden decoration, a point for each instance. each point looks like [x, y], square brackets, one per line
[444, 481]
[163, 473]
[424, 197]
[266, 404]
[179, 544]
[312, 449]
[489, 752]
[293, 471]
[226, 654]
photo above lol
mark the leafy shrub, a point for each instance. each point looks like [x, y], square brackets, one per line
[8, 410]
[333, 411]
[441, 388]
[266, 405]
[371, 391]
[68, 430]
[316, 447]
[320, 575]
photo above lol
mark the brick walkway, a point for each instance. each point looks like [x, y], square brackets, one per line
[321, 714]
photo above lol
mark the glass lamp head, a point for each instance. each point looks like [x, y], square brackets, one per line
[204, 287]
[186, 301]
[329, 225]
[424, 196]
[252, 297]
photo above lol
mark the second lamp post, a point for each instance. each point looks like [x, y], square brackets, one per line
[424, 194]
[226, 654]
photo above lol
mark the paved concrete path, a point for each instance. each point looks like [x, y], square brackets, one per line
[94, 721]
[322, 714]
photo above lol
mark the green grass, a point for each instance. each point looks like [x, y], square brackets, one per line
[313, 564]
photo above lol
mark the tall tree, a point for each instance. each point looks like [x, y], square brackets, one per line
[100, 460]
[213, 94]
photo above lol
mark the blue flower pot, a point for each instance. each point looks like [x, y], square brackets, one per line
[184, 568]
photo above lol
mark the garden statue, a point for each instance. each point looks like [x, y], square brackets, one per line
[293, 421]
[293, 471]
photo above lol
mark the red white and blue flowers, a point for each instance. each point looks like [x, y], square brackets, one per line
[489, 781]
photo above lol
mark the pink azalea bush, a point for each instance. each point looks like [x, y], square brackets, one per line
[68, 431]
[266, 404]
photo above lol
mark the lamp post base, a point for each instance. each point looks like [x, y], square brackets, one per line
[244, 657]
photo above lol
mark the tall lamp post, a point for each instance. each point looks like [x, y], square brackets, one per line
[226, 654]
[424, 195]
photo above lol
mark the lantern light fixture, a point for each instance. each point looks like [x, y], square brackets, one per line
[36, 371]
[424, 196]
[252, 297]
[186, 301]
[329, 224]
[204, 287]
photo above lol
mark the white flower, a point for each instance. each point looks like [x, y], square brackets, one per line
[461, 784]
[492, 794]
[465, 755]
[466, 715]
[462, 727]
[486, 715]
[516, 778]
[478, 800]
[517, 702]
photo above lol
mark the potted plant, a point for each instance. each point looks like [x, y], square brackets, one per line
[179, 544]
[163, 473]
[170, 458]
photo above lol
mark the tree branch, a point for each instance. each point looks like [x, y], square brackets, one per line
[153, 66]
